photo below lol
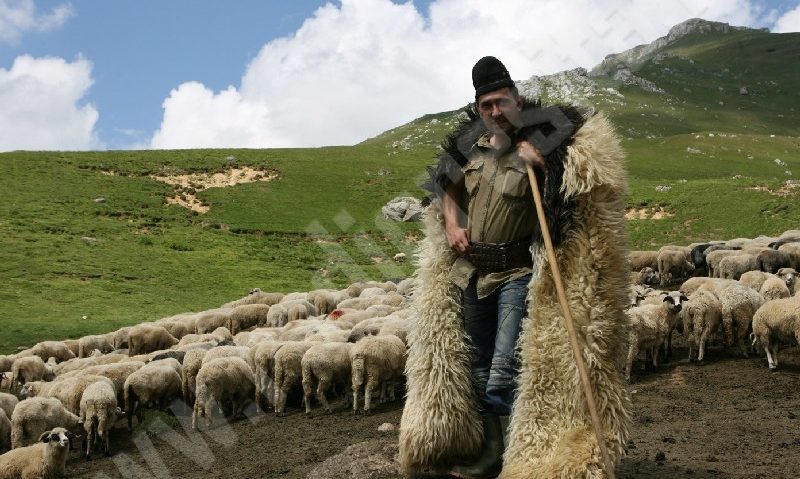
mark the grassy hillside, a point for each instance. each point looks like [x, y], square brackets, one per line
[724, 155]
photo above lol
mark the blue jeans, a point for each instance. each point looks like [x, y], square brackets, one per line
[493, 324]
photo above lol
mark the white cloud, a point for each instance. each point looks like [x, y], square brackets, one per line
[41, 105]
[20, 16]
[360, 67]
[789, 22]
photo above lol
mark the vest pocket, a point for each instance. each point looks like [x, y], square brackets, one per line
[515, 183]
[472, 176]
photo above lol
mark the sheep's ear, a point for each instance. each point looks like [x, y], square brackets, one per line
[45, 437]
[667, 298]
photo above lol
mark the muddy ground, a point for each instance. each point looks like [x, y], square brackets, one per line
[729, 418]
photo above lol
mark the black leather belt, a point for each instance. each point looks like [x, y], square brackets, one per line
[498, 257]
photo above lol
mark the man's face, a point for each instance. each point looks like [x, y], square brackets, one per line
[500, 110]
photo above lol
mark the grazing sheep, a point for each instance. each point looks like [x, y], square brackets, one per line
[146, 338]
[121, 337]
[693, 284]
[176, 354]
[354, 289]
[754, 279]
[251, 338]
[44, 460]
[327, 301]
[739, 303]
[72, 345]
[35, 415]
[288, 370]
[298, 330]
[30, 368]
[646, 276]
[389, 299]
[733, 267]
[67, 390]
[777, 322]
[117, 373]
[5, 432]
[377, 361]
[673, 264]
[242, 352]
[771, 260]
[256, 296]
[156, 384]
[87, 344]
[192, 362]
[52, 349]
[278, 315]
[297, 311]
[714, 257]
[6, 362]
[701, 316]
[297, 296]
[79, 364]
[368, 327]
[327, 364]
[208, 321]
[220, 381]
[774, 288]
[8, 402]
[793, 250]
[98, 413]
[247, 316]
[644, 259]
[397, 326]
[650, 327]
[263, 372]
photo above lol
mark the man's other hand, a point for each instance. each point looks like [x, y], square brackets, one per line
[530, 155]
[458, 238]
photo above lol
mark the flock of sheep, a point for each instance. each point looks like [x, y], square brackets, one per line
[746, 287]
[257, 350]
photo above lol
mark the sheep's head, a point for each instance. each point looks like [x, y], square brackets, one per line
[255, 290]
[649, 275]
[26, 391]
[58, 437]
[675, 300]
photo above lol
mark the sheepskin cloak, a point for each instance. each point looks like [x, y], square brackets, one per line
[550, 434]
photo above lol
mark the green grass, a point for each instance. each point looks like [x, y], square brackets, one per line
[134, 257]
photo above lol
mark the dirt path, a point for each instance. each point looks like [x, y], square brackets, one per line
[729, 418]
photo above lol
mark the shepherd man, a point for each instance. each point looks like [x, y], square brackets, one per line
[493, 386]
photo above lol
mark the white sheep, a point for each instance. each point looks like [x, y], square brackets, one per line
[326, 364]
[242, 352]
[368, 327]
[221, 381]
[192, 362]
[739, 303]
[8, 402]
[53, 349]
[643, 259]
[298, 330]
[208, 321]
[288, 370]
[715, 257]
[376, 361]
[156, 384]
[35, 415]
[6, 361]
[650, 326]
[774, 288]
[30, 368]
[146, 338]
[79, 364]
[256, 296]
[117, 373]
[5, 432]
[44, 460]
[754, 279]
[646, 275]
[702, 315]
[247, 316]
[73, 345]
[264, 371]
[278, 315]
[673, 264]
[121, 337]
[774, 323]
[733, 267]
[87, 344]
[98, 412]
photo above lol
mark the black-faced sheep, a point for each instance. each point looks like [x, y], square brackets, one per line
[44, 460]
[650, 326]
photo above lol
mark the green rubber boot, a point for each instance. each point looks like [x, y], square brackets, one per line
[490, 462]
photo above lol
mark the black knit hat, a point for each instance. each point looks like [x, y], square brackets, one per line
[489, 74]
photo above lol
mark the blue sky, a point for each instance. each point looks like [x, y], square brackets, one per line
[94, 74]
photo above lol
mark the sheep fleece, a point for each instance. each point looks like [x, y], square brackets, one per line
[550, 433]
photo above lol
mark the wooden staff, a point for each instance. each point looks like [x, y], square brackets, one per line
[570, 323]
